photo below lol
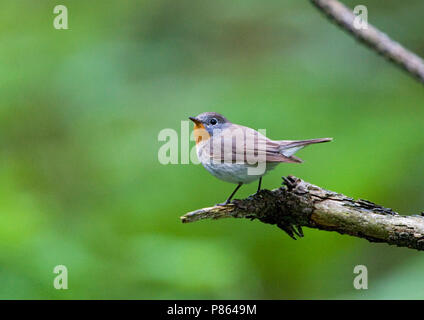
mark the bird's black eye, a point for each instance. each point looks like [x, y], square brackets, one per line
[213, 121]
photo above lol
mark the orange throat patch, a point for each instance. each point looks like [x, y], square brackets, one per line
[200, 133]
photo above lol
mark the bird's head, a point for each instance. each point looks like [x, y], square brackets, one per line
[206, 123]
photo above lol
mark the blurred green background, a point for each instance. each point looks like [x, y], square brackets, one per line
[80, 114]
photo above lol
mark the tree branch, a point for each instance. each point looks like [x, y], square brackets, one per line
[303, 204]
[374, 38]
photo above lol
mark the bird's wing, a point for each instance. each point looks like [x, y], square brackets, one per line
[242, 144]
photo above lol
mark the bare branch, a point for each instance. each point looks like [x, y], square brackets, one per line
[303, 204]
[374, 38]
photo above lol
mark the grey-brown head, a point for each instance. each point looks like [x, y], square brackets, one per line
[210, 121]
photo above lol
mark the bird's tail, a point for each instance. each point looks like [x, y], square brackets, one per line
[289, 147]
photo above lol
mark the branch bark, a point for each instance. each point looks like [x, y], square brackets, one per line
[300, 203]
[374, 38]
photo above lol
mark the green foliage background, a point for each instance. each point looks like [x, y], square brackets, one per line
[80, 114]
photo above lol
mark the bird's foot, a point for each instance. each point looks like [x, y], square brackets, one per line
[257, 192]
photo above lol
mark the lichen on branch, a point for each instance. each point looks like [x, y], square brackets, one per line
[300, 204]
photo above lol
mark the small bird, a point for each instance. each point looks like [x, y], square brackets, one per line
[235, 153]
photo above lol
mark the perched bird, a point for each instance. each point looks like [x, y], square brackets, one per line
[238, 154]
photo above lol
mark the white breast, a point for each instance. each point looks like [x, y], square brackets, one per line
[231, 172]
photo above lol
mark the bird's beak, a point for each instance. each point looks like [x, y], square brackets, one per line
[195, 120]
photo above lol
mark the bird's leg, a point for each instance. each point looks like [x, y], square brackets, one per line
[231, 196]
[259, 185]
